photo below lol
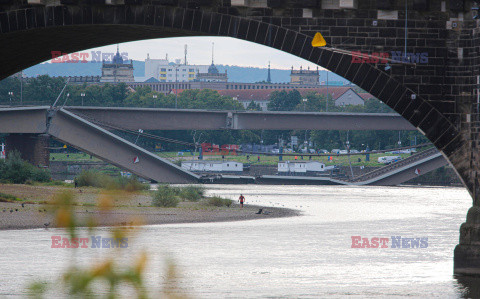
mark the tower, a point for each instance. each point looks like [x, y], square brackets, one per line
[269, 78]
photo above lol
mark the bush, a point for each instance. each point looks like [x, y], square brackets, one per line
[18, 171]
[40, 175]
[96, 179]
[166, 197]
[219, 201]
[131, 184]
[7, 197]
[192, 193]
[90, 178]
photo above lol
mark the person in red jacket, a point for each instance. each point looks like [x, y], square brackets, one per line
[241, 199]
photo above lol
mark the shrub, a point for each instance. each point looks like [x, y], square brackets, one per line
[219, 201]
[192, 193]
[165, 196]
[40, 175]
[18, 171]
[96, 179]
[90, 178]
[7, 197]
[131, 184]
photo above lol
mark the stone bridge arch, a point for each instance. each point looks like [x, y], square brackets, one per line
[73, 28]
[443, 107]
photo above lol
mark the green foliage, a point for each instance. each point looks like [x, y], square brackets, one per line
[130, 184]
[192, 193]
[18, 171]
[7, 197]
[253, 107]
[218, 201]
[166, 197]
[97, 179]
[283, 101]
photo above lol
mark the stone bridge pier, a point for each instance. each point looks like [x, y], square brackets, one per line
[33, 148]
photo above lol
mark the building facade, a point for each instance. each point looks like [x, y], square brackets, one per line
[307, 77]
[165, 71]
[213, 75]
[117, 71]
[349, 97]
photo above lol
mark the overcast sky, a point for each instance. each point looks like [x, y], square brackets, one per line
[228, 51]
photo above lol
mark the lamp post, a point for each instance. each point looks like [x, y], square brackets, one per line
[10, 95]
[326, 109]
[305, 141]
[154, 100]
[21, 88]
[83, 96]
[176, 90]
[347, 143]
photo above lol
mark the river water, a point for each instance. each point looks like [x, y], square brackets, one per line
[308, 256]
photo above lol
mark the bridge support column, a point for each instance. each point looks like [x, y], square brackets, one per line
[32, 147]
[466, 257]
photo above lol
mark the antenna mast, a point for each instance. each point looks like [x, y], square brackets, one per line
[213, 45]
[185, 54]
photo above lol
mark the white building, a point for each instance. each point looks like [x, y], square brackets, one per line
[349, 97]
[163, 71]
[297, 167]
[212, 166]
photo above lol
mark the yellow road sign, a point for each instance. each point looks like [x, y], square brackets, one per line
[318, 40]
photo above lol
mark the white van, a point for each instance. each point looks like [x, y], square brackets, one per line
[388, 159]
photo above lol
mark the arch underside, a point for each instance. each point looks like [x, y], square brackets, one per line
[33, 33]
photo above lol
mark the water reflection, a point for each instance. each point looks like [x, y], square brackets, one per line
[301, 257]
[468, 287]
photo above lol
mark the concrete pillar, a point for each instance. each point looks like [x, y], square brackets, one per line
[32, 147]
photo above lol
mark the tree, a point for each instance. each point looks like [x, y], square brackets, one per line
[252, 106]
[283, 101]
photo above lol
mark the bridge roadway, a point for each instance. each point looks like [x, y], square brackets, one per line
[32, 119]
[81, 128]
[189, 119]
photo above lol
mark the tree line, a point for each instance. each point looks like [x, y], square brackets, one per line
[43, 90]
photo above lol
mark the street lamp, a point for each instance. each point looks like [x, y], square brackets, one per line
[176, 86]
[154, 97]
[82, 95]
[304, 103]
[10, 95]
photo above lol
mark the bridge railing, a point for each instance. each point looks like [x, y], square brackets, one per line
[395, 165]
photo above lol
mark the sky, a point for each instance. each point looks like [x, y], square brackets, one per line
[227, 51]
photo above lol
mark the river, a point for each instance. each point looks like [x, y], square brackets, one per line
[308, 256]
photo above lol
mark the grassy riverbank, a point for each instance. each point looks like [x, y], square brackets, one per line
[125, 208]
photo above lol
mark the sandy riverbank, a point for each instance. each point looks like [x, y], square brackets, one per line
[127, 209]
